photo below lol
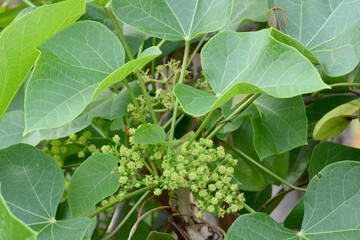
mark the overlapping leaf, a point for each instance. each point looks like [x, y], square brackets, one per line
[19, 39]
[32, 185]
[94, 180]
[335, 121]
[74, 67]
[332, 210]
[172, 19]
[12, 228]
[328, 152]
[255, 10]
[257, 62]
[330, 29]
[152, 134]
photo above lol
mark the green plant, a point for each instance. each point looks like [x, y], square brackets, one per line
[99, 121]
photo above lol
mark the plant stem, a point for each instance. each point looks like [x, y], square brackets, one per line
[127, 216]
[131, 57]
[240, 109]
[249, 209]
[30, 4]
[116, 89]
[203, 124]
[338, 85]
[130, 195]
[131, 93]
[182, 75]
[161, 43]
[153, 85]
[193, 54]
[98, 129]
[264, 168]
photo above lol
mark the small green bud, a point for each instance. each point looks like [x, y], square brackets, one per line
[83, 139]
[219, 184]
[63, 149]
[87, 134]
[116, 139]
[55, 149]
[56, 142]
[212, 187]
[73, 137]
[211, 209]
[192, 175]
[157, 191]
[199, 214]
[214, 201]
[123, 179]
[92, 148]
[81, 154]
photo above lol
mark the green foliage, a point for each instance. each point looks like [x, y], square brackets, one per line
[174, 20]
[334, 190]
[259, 69]
[12, 228]
[159, 236]
[335, 121]
[19, 40]
[27, 171]
[337, 49]
[94, 180]
[126, 133]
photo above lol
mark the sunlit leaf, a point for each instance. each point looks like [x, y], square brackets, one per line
[329, 29]
[252, 62]
[172, 19]
[19, 40]
[74, 67]
[335, 121]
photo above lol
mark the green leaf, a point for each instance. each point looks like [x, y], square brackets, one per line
[100, 2]
[335, 121]
[107, 105]
[296, 216]
[247, 176]
[19, 39]
[316, 110]
[332, 208]
[12, 228]
[27, 171]
[279, 124]
[75, 66]
[278, 164]
[243, 10]
[159, 236]
[257, 199]
[299, 161]
[251, 62]
[174, 20]
[328, 152]
[97, 13]
[11, 130]
[152, 134]
[94, 180]
[9, 15]
[329, 29]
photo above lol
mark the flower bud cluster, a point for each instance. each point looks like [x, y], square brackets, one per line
[205, 170]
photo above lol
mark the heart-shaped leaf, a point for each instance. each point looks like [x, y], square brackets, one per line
[12, 228]
[329, 29]
[172, 19]
[94, 180]
[328, 152]
[32, 185]
[332, 209]
[335, 121]
[252, 62]
[254, 10]
[19, 39]
[75, 66]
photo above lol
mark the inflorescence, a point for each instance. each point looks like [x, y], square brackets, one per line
[206, 170]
